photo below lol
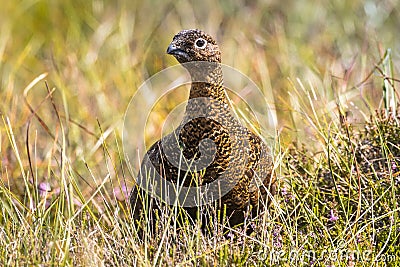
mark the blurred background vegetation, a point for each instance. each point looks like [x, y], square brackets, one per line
[317, 62]
[97, 53]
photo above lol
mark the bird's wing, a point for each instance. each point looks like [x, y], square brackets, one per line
[260, 169]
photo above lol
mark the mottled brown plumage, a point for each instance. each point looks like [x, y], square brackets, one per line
[215, 146]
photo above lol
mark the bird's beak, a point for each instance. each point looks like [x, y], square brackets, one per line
[171, 49]
[177, 52]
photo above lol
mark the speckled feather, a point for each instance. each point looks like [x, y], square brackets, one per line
[219, 125]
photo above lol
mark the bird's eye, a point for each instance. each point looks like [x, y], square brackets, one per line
[200, 43]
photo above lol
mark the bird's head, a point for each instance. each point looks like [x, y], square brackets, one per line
[194, 45]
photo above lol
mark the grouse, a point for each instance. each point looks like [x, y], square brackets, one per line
[210, 158]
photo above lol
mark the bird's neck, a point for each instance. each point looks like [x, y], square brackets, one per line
[207, 82]
[207, 96]
[208, 90]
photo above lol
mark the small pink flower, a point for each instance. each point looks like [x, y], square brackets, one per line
[231, 236]
[284, 191]
[121, 193]
[77, 202]
[44, 189]
[333, 217]
[394, 166]
[57, 191]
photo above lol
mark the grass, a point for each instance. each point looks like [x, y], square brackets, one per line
[68, 71]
